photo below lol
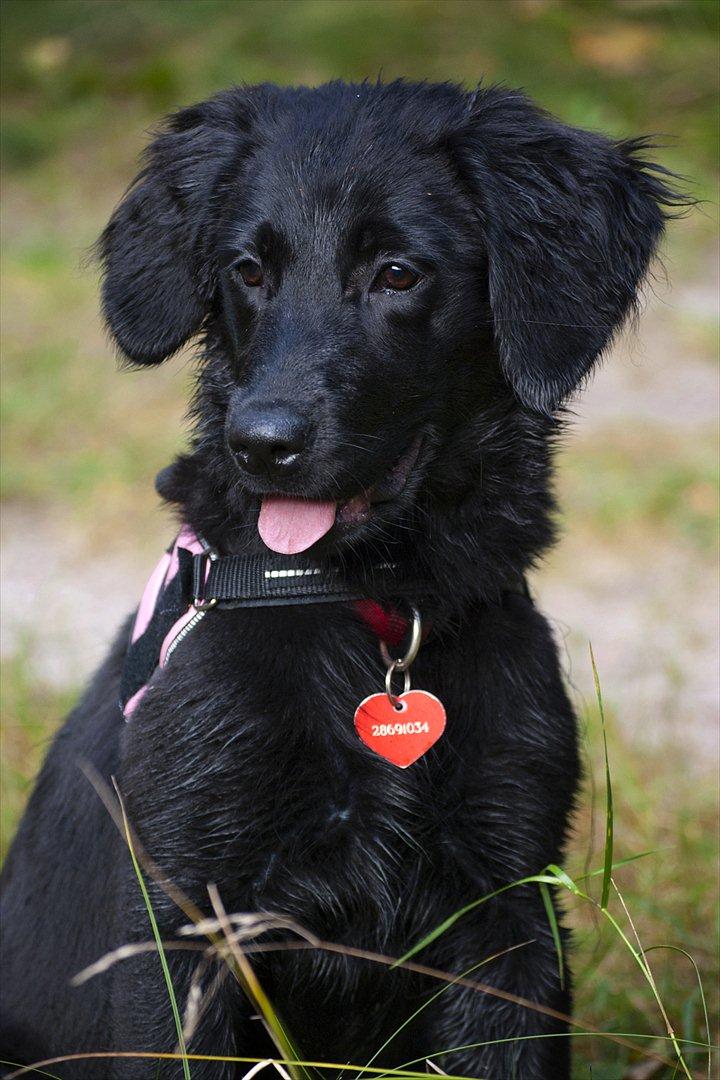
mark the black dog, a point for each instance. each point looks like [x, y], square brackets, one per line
[395, 289]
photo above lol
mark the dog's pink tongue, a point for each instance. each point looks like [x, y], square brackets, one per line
[292, 525]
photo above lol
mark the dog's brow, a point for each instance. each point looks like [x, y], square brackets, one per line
[377, 233]
[271, 242]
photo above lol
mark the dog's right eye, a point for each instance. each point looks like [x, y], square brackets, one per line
[395, 277]
[249, 272]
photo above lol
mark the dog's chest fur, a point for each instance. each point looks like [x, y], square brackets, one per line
[243, 768]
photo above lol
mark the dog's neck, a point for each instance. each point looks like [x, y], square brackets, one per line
[468, 542]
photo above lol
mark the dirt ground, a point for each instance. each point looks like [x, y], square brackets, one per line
[649, 607]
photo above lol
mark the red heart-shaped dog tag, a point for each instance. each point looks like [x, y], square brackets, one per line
[401, 735]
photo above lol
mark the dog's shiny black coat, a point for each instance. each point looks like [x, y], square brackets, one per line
[529, 240]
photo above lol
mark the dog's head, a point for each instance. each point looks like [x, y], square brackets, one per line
[388, 280]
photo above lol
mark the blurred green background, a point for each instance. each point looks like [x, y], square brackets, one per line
[636, 572]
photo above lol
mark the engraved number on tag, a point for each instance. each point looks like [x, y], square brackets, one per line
[413, 727]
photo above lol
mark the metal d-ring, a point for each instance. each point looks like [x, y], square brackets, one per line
[393, 667]
[404, 662]
[201, 604]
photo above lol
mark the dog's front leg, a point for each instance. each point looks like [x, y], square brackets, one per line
[215, 1019]
[490, 1035]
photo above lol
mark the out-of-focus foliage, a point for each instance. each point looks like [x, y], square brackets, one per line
[622, 65]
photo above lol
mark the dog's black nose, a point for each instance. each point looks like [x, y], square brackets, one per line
[267, 440]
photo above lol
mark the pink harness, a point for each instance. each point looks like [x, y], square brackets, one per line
[161, 578]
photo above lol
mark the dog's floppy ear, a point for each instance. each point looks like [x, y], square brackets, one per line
[571, 221]
[157, 280]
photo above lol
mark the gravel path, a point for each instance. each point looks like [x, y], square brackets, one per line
[651, 612]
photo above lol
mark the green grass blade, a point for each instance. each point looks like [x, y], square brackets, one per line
[30, 1070]
[379, 1074]
[703, 999]
[609, 834]
[435, 996]
[452, 919]
[555, 875]
[158, 941]
[620, 862]
[401, 1071]
[563, 878]
[535, 1038]
[554, 928]
[249, 981]
[642, 963]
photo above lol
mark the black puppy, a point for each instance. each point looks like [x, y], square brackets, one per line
[395, 287]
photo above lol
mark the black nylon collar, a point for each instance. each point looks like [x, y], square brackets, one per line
[234, 581]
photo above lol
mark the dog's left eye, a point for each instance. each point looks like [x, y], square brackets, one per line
[249, 271]
[397, 277]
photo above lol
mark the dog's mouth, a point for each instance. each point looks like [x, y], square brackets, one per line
[290, 525]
